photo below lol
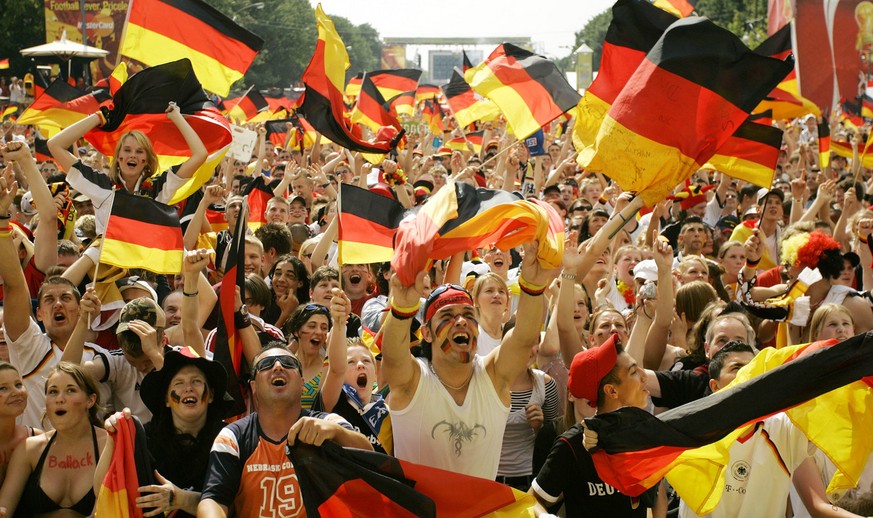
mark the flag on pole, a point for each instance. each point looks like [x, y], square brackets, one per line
[159, 31]
[370, 109]
[426, 91]
[402, 103]
[249, 106]
[142, 233]
[466, 64]
[394, 82]
[353, 88]
[432, 113]
[466, 107]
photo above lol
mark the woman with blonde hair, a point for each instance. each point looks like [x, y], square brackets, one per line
[13, 401]
[831, 321]
[491, 298]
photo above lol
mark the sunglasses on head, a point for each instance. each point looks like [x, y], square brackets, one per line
[442, 288]
[286, 361]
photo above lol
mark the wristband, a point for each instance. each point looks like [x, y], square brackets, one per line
[568, 276]
[863, 238]
[241, 321]
[194, 294]
[404, 313]
[6, 216]
[100, 116]
[750, 263]
[530, 289]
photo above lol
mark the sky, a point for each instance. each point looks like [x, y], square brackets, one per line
[550, 24]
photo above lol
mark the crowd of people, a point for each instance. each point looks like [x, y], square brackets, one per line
[486, 365]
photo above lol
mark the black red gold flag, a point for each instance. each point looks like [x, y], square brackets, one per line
[129, 469]
[866, 106]
[680, 8]
[465, 106]
[393, 82]
[62, 105]
[466, 63]
[159, 31]
[371, 110]
[249, 106]
[353, 88]
[460, 143]
[751, 152]
[785, 100]
[844, 149]
[529, 89]
[426, 91]
[824, 144]
[142, 233]
[432, 113]
[367, 222]
[258, 193]
[402, 103]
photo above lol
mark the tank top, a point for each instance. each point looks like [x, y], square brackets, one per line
[516, 456]
[435, 431]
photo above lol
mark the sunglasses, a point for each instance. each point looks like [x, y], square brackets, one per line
[286, 361]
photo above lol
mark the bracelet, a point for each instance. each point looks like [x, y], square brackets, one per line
[7, 216]
[100, 116]
[568, 276]
[241, 321]
[5, 233]
[171, 498]
[863, 238]
[530, 289]
[190, 294]
[750, 263]
[404, 313]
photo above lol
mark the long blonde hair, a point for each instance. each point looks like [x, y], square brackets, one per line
[151, 158]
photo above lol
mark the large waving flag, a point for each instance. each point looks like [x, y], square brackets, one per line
[825, 388]
[62, 105]
[751, 153]
[402, 103]
[529, 89]
[158, 31]
[142, 233]
[324, 103]
[249, 107]
[371, 110]
[337, 481]
[462, 217]
[692, 91]
[367, 222]
[140, 103]
[785, 100]
[396, 81]
[129, 469]
[465, 106]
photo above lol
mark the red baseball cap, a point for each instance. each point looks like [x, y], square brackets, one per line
[589, 367]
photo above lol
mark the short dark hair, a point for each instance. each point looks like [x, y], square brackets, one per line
[689, 220]
[323, 273]
[258, 290]
[716, 364]
[275, 236]
[749, 191]
[611, 378]
[57, 280]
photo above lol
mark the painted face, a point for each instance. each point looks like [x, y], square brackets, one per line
[285, 279]
[297, 212]
[188, 394]
[65, 402]
[58, 310]
[356, 279]
[13, 395]
[132, 158]
[361, 371]
[837, 325]
[608, 323]
[454, 330]
[312, 336]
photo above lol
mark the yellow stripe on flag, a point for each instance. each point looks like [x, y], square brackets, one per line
[200, 177]
[510, 101]
[740, 169]
[125, 255]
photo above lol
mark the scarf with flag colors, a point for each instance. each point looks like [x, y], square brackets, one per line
[158, 31]
[465, 106]
[337, 481]
[529, 89]
[143, 233]
[140, 104]
[462, 217]
[228, 345]
[367, 222]
[62, 105]
[785, 100]
[694, 88]
[825, 388]
[129, 469]
[324, 102]
[751, 153]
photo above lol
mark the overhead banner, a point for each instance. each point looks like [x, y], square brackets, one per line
[104, 24]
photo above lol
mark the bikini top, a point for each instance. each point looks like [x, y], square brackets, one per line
[35, 501]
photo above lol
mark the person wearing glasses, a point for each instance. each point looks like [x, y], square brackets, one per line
[449, 409]
[249, 473]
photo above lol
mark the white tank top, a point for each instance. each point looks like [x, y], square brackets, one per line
[433, 430]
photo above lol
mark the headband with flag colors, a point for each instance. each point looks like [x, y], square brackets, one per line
[692, 91]
[751, 153]
[371, 110]
[529, 89]
[824, 144]
[140, 104]
[826, 388]
[337, 481]
[249, 107]
[462, 217]
[394, 82]
[228, 344]
[785, 100]
[62, 105]
[367, 222]
[142, 233]
[324, 103]
[465, 106]
[129, 469]
[158, 31]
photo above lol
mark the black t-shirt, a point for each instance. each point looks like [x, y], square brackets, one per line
[569, 470]
[680, 387]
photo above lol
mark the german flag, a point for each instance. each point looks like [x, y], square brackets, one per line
[277, 131]
[117, 78]
[680, 8]
[460, 143]
[394, 82]
[353, 88]
[694, 89]
[402, 103]
[324, 103]
[9, 111]
[751, 153]
[426, 91]
[785, 100]
[529, 89]
[824, 387]
[41, 150]
[4, 64]
[432, 113]
[844, 149]
[367, 222]
[158, 31]
[140, 104]
[304, 134]
[866, 106]
[228, 346]
[62, 105]
[142, 233]
[466, 64]
[129, 469]
[850, 113]
[824, 144]
[258, 193]
[465, 106]
[371, 109]
[337, 481]
[249, 106]
[462, 217]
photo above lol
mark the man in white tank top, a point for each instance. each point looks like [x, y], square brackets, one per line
[450, 412]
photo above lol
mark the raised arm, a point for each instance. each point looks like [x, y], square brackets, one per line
[45, 244]
[332, 386]
[656, 338]
[59, 144]
[16, 297]
[399, 368]
[198, 150]
[568, 336]
[195, 261]
[211, 194]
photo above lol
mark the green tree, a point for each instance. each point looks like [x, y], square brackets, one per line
[22, 25]
[593, 34]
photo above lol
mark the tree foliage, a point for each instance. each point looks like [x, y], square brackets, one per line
[22, 25]
[593, 34]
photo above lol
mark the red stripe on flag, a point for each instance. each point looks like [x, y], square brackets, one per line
[360, 230]
[144, 234]
[512, 73]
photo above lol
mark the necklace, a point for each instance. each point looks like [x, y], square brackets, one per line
[464, 384]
